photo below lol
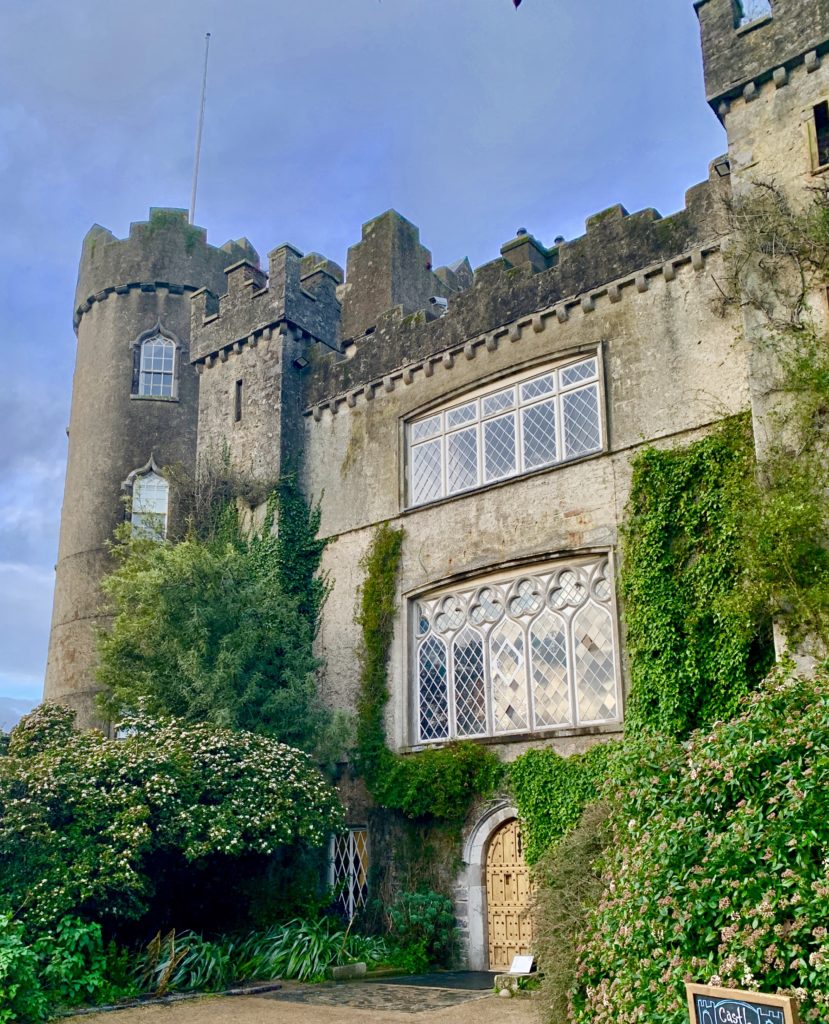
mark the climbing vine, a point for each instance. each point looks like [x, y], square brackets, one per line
[432, 784]
[694, 651]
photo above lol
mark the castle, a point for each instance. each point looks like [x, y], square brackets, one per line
[491, 413]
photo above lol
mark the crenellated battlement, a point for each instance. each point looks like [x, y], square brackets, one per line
[162, 253]
[530, 281]
[300, 290]
[741, 50]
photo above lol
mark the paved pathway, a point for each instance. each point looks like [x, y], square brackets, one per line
[352, 1003]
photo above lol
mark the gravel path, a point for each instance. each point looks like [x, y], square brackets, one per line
[340, 1004]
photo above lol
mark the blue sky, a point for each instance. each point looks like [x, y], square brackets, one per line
[470, 118]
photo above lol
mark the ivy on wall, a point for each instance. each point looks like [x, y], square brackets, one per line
[694, 651]
[439, 783]
[552, 791]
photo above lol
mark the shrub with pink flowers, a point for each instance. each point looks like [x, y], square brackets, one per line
[718, 866]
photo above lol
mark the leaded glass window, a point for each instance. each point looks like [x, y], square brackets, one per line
[348, 870]
[542, 419]
[156, 376]
[518, 653]
[150, 495]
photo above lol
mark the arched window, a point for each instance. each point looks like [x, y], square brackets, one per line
[156, 372]
[150, 495]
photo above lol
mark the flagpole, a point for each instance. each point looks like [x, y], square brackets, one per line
[199, 129]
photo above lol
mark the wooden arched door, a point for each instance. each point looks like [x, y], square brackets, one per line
[508, 895]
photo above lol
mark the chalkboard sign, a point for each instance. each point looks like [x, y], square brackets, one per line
[709, 1005]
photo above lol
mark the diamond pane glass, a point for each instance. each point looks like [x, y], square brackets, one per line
[470, 689]
[434, 703]
[579, 372]
[499, 447]
[349, 870]
[426, 472]
[595, 673]
[463, 414]
[548, 670]
[425, 429]
[526, 600]
[582, 432]
[498, 402]
[540, 386]
[569, 590]
[509, 681]
[462, 459]
[539, 426]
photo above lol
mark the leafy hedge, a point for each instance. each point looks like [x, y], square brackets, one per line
[719, 870]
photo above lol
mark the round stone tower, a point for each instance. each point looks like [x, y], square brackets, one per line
[134, 411]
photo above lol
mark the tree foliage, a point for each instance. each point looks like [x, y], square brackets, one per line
[219, 627]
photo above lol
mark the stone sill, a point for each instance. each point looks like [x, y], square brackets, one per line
[610, 729]
[154, 398]
[752, 25]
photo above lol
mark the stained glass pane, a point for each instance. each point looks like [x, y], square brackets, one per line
[595, 673]
[462, 459]
[582, 433]
[470, 691]
[433, 698]
[499, 447]
[548, 671]
[509, 681]
[539, 427]
[426, 472]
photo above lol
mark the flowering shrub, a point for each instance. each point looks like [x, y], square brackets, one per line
[719, 870]
[81, 815]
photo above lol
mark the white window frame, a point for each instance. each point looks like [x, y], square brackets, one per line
[145, 386]
[437, 420]
[353, 849]
[149, 522]
[591, 569]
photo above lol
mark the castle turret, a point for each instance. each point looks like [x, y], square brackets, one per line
[134, 412]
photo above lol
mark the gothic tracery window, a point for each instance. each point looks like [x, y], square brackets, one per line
[517, 653]
[537, 420]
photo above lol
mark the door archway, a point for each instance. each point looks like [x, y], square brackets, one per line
[508, 897]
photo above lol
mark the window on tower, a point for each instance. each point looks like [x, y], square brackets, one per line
[150, 498]
[820, 130]
[156, 368]
[748, 11]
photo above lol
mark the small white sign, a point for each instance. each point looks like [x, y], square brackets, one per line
[522, 964]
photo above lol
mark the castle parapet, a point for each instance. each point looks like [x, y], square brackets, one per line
[737, 51]
[300, 291]
[162, 253]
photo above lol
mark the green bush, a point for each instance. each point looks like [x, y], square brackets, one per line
[423, 930]
[76, 968]
[569, 886]
[552, 791]
[86, 821]
[718, 866]
[22, 1000]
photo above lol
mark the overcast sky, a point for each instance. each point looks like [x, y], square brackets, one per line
[469, 117]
